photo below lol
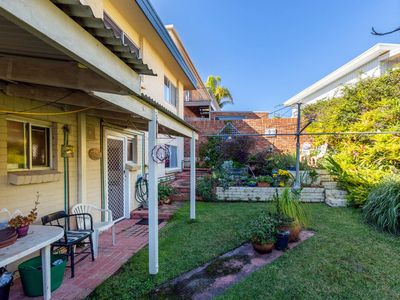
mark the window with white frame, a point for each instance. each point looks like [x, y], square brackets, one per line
[132, 150]
[170, 92]
[28, 146]
[172, 161]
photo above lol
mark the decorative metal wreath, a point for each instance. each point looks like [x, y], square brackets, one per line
[160, 153]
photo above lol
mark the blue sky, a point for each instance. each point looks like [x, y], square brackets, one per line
[267, 51]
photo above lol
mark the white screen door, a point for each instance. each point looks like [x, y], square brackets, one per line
[116, 177]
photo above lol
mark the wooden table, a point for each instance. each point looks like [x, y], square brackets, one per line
[39, 238]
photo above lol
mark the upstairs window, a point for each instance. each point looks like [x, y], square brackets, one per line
[170, 92]
[28, 146]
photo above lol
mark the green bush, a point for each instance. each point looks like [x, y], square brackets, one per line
[206, 188]
[165, 191]
[382, 208]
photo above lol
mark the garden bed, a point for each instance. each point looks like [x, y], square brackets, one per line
[263, 194]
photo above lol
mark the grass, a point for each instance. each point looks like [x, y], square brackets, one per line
[345, 260]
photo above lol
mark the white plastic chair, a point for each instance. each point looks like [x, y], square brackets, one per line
[322, 151]
[97, 226]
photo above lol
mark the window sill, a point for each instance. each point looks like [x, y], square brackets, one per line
[33, 177]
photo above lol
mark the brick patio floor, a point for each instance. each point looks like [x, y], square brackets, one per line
[130, 238]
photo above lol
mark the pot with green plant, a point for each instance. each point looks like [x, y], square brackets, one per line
[21, 223]
[262, 234]
[288, 204]
[264, 181]
[252, 182]
[165, 191]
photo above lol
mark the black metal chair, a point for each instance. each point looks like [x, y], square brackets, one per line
[72, 237]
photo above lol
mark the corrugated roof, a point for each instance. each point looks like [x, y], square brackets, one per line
[83, 15]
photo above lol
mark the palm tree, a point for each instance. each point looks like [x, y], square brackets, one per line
[222, 94]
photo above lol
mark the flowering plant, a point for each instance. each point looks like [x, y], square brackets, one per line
[22, 221]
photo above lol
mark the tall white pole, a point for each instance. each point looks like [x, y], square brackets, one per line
[193, 177]
[153, 197]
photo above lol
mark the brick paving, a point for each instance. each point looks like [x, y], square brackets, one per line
[130, 238]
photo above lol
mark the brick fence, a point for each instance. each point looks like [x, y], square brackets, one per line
[256, 123]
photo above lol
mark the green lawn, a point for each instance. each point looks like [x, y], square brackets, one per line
[345, 260]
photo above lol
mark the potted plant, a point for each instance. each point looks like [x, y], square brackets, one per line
[21, 223]
[251, 182]
[288, 204]
[264, 181]
[165, 191]
[262, 234]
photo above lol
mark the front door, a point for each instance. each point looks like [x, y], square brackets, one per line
[116, 176]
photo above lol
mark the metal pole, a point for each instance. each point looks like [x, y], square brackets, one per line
[193, 177]
[153, 197]
[298, 133]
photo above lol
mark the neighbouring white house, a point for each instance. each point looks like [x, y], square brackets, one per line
[372, 63]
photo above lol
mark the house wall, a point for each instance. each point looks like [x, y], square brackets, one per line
[152, 86]
[22, 197]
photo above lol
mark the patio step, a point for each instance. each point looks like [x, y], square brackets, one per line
[329, 185]
[144, 214]
[334, 202]
[335, 193]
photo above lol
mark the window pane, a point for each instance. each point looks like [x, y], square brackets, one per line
[167, 91]
[15, 145]
[173, 95]
[132, 150]
[129, 156]
[172, 162]
[40, 147]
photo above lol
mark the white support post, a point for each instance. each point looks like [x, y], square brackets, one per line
[193, 177]
[81, 157]
[153, 197]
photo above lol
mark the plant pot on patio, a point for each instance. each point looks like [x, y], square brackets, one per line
[282, 240]
[263, 248]
[31, 274]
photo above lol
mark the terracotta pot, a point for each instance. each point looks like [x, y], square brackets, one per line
[284, 228]
[22, 231]
[263, 184]
[294, 233]
[263, 248]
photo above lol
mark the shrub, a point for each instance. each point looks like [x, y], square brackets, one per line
[382, 208]
[210, 152]
[206, 188]
[165, 191]
[373, 104]
[237, 149]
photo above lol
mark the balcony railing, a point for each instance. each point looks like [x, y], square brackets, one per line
[198, 95]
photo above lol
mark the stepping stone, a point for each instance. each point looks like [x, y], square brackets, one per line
[214, 277]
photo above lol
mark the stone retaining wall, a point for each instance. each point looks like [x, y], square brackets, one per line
[243, 193]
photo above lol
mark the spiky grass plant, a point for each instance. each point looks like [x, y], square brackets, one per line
[382, 208]
[288, 203]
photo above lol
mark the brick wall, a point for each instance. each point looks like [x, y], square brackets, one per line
[252, 126]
